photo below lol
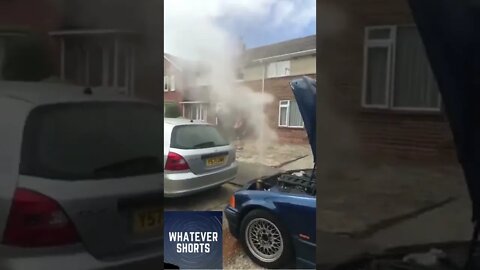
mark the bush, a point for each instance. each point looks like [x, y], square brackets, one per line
[171, 110]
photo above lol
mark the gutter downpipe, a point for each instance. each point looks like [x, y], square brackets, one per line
[264, 67]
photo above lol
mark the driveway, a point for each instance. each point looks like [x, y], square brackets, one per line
[218, 198]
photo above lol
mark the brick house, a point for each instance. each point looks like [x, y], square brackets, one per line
[274, 66]
[181, 85]
[378, 76]
[86, 47]
[172, 79]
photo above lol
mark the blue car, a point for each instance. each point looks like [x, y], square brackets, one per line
[274, 217]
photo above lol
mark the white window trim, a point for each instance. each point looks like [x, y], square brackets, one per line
[129, 65]
[166, 83]
[377, 43]
[287, 117]
[201, 108]
[390, 44]
[280, 106]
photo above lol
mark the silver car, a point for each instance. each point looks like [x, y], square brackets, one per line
[196, 156]
[80, 179]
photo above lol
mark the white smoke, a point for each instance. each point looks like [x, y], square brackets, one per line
[192, 31]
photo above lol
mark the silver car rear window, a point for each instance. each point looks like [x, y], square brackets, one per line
[93, 140]
[197, 137]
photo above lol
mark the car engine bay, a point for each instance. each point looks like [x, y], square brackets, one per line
[293, 182]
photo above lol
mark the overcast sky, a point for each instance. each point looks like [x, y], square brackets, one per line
[257, 22]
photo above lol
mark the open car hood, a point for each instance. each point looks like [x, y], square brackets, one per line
[305, 91]
[450, 33]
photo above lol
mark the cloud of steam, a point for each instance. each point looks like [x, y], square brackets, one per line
[192, 31]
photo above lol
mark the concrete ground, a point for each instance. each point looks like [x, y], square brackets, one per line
[250, 171]
[361, 198]
[272, 155]
[387, 204]
[303, 163]
[446, 224]
[449, 223]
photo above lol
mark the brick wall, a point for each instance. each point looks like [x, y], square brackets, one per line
[176, 95]
[280, 89]
[39, 16]
[412, 135]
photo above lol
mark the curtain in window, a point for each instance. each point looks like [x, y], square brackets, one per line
[377, 75]
[278, 69]
[165, 83]
[415, 86]
[172, 82]
[283, 116]
[283, 68]
[271, 70]
[295, 117]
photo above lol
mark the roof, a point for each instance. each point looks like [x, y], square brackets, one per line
[182, 121]
[184, 65]
[41, 93]
[308, 43]
[177, 62]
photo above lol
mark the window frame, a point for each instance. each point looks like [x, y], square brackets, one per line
[286, 104]
[117, 49]
[390, 43]
[276, 73]
[200, 108]
[166, 83]
[280, 106]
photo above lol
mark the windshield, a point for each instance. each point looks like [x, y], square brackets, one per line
[75, 141]
[196, 137]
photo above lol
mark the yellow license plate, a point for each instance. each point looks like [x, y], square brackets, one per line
[148, 220]
[216, 161]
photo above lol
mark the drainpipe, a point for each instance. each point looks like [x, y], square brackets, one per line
[264, 66]
[263, 76]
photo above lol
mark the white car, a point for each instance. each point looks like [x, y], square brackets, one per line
[80, 179]
[196, 157]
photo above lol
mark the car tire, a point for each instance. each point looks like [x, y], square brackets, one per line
[275, 239]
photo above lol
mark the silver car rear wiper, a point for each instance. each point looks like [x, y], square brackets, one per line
[144, 161]
[205, 144]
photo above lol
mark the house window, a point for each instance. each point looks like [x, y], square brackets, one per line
[172, 83]
[98, 64]
[397, 74]
[195, 111]
[166, 83]
[278, 69]
[289, 114]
